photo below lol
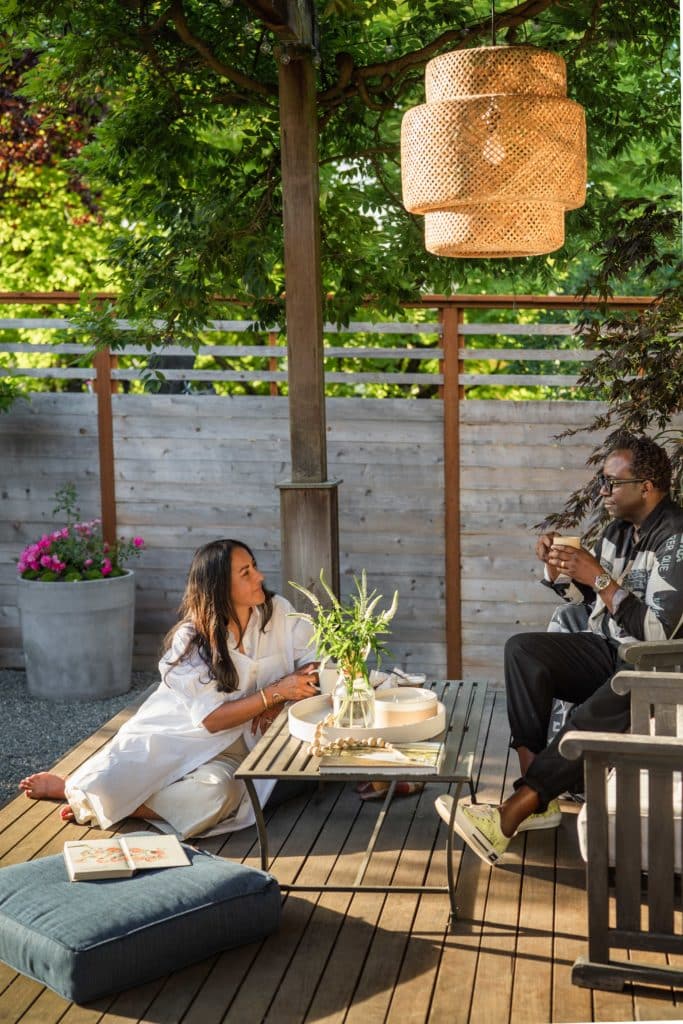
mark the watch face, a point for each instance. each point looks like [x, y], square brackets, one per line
[602, 581]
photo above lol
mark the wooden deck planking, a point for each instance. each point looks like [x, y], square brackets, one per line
[532, 993]
[406, 851]
[355, 919]
[368, 956]
[496, 929]
[283, 988]
[423, 960]
[455, 981]
[569, 1002]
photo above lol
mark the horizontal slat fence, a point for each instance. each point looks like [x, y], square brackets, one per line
[191, 468]
[270, 349]
[555, 318]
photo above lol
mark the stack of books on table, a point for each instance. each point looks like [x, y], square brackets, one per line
[121, 856]
[402, 759]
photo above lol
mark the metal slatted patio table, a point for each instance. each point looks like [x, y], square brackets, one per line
[278, 755]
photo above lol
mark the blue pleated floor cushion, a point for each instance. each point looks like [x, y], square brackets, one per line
[85, 940]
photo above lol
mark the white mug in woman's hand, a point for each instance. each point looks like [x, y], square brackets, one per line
[308, 674]
[328, 678]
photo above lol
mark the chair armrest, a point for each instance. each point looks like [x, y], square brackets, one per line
[667, 653]
[667, 685]
[658, 751]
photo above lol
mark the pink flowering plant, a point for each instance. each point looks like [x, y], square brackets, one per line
[77, 551]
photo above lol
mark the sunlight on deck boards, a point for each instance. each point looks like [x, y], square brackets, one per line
[367, 957]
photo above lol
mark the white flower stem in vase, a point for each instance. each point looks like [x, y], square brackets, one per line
[354, 703]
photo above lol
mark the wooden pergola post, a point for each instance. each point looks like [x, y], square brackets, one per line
[104, 385]
[308, 503]
[451, 318]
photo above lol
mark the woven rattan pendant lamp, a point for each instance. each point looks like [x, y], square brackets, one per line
[496, 154]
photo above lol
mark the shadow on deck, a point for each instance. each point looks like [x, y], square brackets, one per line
[367, 957]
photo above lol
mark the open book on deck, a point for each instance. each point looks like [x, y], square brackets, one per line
[422, 758]
[121, 856]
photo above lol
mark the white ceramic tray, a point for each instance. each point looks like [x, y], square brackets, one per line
[305, 715]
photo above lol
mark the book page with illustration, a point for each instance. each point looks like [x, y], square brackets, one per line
[154, 851]
[120, 856]
[89, 859]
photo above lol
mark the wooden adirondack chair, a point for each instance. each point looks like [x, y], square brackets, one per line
[633, 825]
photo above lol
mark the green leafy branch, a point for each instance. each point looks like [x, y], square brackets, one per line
[348, 633]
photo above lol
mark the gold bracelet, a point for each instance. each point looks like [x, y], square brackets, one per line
[265, 701]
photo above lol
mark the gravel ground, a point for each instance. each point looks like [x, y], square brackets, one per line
[35, 733]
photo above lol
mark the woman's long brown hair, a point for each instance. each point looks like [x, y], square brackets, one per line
[207, 606]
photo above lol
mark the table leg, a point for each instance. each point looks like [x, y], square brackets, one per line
[260, 823]
[449, 858]
[375, 832]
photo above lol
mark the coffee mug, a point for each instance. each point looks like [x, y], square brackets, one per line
[328, 677]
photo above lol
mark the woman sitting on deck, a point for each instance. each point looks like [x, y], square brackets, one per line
[230, 663]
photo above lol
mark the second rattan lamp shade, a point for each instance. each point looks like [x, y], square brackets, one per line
[496, 154]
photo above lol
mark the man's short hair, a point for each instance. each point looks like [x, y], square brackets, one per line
[648, 459]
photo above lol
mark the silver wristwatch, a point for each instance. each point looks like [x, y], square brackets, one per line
[602, 581]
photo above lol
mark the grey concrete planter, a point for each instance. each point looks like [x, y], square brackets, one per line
[78, 637]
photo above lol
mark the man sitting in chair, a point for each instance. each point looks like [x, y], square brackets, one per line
[634, 582]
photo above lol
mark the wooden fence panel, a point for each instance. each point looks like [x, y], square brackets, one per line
[209, 467]
[191, 468]
[512, 474]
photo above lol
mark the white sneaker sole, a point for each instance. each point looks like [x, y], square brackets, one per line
[536, 822]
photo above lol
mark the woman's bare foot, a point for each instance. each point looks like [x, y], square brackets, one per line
[43, 786]
[66, 814]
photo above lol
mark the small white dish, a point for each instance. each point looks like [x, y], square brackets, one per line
[399, 678]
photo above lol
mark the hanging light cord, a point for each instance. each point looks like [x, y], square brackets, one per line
[493, 23]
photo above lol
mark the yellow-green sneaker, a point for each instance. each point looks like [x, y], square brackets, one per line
[549, 818]
[479, 826]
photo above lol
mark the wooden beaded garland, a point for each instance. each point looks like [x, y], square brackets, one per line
[320, 746]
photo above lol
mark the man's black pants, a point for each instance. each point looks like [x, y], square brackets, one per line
[576, 667]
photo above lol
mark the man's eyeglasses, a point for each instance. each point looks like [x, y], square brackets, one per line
[608, 483]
